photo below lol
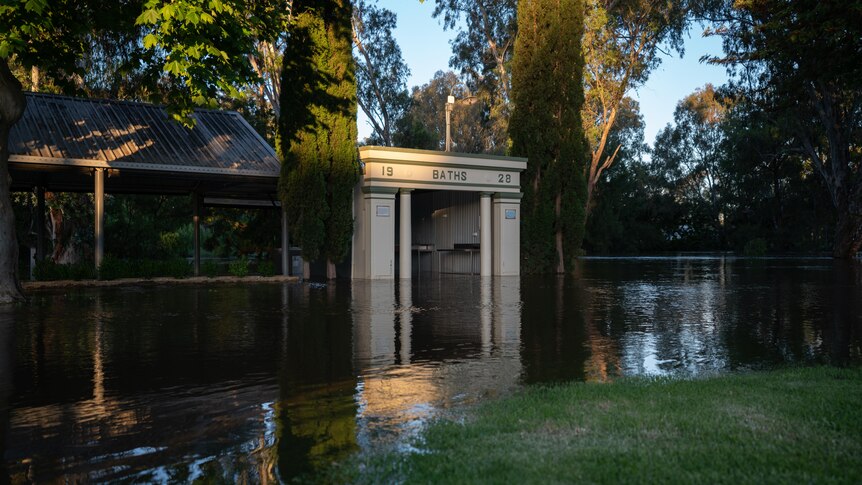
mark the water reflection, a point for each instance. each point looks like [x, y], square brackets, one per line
[267, 383]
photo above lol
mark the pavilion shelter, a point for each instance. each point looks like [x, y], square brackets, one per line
[66, 144]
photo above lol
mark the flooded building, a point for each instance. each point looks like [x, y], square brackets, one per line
[421, 211]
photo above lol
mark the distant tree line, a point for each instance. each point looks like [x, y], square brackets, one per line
[768, 162]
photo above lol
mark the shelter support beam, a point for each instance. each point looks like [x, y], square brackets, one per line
[405, 241]
[485, 245]
[40, 223]
[285, 242]
[99, 202]
[196, 225]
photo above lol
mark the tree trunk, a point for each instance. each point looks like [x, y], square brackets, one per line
[330, 270]
[848, 235]
[12, 105]
[561, 261]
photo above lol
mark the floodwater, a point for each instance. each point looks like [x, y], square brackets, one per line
[269, 382]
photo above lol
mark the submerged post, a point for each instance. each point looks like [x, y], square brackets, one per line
[99, 202]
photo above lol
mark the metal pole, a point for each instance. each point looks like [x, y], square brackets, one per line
[99, 197]
[449, 103]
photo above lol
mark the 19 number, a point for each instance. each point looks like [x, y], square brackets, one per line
[386, 171]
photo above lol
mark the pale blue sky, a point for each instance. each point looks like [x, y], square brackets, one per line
[425, 47]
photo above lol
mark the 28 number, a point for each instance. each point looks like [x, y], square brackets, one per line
[507, 178]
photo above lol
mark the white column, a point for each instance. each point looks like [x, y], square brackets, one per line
[285, 242]
[99, 200]
[485, 234]
[405, 240]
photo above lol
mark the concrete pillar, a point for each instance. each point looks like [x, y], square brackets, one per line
[405, 303]
[485, 244]
[285, 243]
[196, 228]
[405, 240]
[99, 201]
[40, 223]
[507, 234]
[374, 233]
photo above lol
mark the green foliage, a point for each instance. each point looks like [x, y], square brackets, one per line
[47, 270]
[238, 267]
[547, 92]
[146, 226]
[114, 268]
[207, 45]
[798, 61]
[381, 74]
[266, 268]
[210, 268]
[318, 140]
[424, 125]
[482, 53]
[241, 231]
[770, 427]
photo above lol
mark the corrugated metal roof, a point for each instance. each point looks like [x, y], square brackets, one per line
[138, 136]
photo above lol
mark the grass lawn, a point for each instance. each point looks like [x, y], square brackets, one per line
[801, 425]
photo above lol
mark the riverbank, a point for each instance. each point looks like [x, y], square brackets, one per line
[788, 426]
[195, 280]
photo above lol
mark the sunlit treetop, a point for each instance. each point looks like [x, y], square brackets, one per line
[201, 45]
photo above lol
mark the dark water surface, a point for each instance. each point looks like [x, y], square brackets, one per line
[267, 382]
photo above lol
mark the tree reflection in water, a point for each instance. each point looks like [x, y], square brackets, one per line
[265, 383]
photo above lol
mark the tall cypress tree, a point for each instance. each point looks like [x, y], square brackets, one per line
[546, 127]
[317, 129]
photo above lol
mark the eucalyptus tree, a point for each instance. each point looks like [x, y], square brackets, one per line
[800, 61]
[318, 137]
[381, 74]
[548, 94]
[622, 44]
[201, 47]
[482, 52]
[692, 149]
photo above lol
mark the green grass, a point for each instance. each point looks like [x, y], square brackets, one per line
[789, 426]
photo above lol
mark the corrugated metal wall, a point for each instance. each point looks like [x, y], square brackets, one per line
[448, 222]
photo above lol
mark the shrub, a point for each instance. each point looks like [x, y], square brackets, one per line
[266, 268]
[114, 268]
[210, 269]
[239, 267]
[47, 270]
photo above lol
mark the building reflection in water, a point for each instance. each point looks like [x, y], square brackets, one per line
[431, 363]
[267, 383]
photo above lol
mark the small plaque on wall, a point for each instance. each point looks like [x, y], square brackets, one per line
[511, 213]
[382, 211]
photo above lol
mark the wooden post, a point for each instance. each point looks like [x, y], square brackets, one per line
[196, 224]
[99, 199]
[40, 223]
